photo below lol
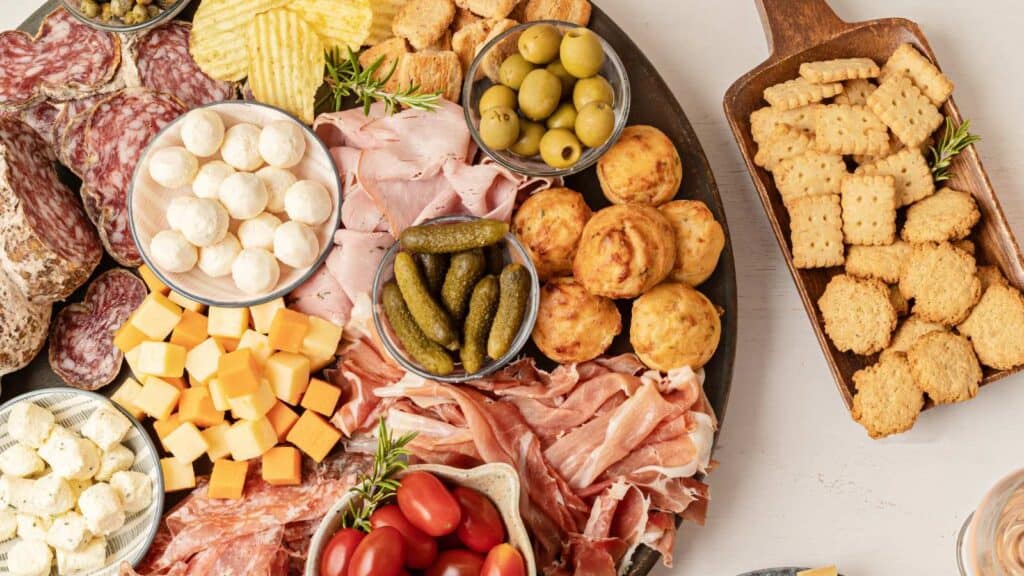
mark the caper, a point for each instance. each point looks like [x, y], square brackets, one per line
[140, 13]
[563, 117]
[568, 80]
[582, 53]
[594, 89]
[90, 8]
[144, 2]
[154, 10]
[499, 127]
[120, 8]
[560, 148]
[528, 143]
[497, 95]
[595, 123]
[514, 70]
[539, 44]
[539, 94]
[105, 13]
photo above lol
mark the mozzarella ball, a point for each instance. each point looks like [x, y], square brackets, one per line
[177, 209]
[241, 147]
[255, 271]
[308, 202]
[68, 531]
[90, 557]
[172, 252]
[8, 524]
[20, 460]
[258, 232]
[202, 132]
[29, 558]
[209, 178]
[282, 144]
[173, 167]
[216, 260]
[30, 424]
[115, 459]
[69, 455]
[32, 527]
[52, 495]
[277, 181]
[16, 493]
[135, 488]
[296, 245]
[205, 222]
[101, 506]
[106, 427]
[244, 195]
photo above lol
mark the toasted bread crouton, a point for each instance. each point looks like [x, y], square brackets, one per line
[432, 72]
[576, 11]
[494, 9]
[443, 44]
[463, 18]
[466, 40]
[423, 22]
[393, 51]
[503, 50]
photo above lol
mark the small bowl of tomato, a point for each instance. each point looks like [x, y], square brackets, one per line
[442, 521]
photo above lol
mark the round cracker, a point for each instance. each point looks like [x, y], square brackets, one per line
[996, 327]
[887, 400]
[946, 215]
[944, 367]
[942, 281]
[858, 313]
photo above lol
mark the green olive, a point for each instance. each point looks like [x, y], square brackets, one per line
[539, 94]
[528, 143]
[594, 89]
[499, 127]
[595, 123]
[582, 53]
[563, 117]
[497, 95]
[540, 44]
[90, 8]
[568, 80]
[560, 148]
[513, 70]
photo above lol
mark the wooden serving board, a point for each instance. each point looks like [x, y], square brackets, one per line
[808, 30]
[652, 103]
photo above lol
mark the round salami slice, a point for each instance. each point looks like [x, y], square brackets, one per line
[23, 327]
[43, 117]
[49, 246]
[70, 133]
[165, 65]
[82, 350]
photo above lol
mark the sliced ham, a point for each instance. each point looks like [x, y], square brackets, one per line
[322, 296]
[354, 260]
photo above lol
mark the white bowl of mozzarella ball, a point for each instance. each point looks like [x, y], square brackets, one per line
[234, 195]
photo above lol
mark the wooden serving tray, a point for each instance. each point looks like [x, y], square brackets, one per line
[807, 30]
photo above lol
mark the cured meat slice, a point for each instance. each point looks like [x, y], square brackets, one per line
[165, 65]
[22, 327]
[70, 133]
[82, 350]
[43, 118]
[118, 130]
[46, 243]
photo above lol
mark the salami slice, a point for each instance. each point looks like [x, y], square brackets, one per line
[43, 117]
[165, 65]
[47, 244]
[70, 133]
[82, 350]
[22, 327]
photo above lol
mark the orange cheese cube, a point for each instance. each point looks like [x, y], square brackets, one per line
[156, 316]
[128, 337]
[186, 443]
[190, 331]
[258, 343]
[157, 398]
[288, 375]
[238, 373]
[196, 406]
[249, 439]
[125, 397]
[178, 475]
[216, 441]
[282, 418]
[162, 359]
[179, 382]
[186, 303]
[255, 405]
[320, 342]
[287, 330]
[314, 435]
[321, 397]
[227, 322]
[217, 395]
[152, 282]
[227, 479]
[203, 360]
[229, 344]
[263, 314]
[166, 426]
[282, 466]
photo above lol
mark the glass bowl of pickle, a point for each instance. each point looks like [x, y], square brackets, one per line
[125, 15]
[546, 98]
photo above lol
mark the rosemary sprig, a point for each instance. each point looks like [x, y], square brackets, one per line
[955, 139]
[374, 488]
[346, 77]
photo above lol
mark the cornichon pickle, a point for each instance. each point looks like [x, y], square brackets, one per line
[515, 289]
[495, 255]
[434, 267]
[483, 303]
[453, 237]
[422, 349]
[465, 269]
[429, 315]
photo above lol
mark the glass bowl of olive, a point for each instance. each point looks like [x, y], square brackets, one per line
[546, 98]
[455, 299]
[125, 15]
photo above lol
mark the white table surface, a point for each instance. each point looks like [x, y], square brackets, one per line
[799, 482]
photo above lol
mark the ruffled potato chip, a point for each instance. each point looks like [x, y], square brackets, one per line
[218, 39]
[384, 12]
[339, 23]
[286, 62]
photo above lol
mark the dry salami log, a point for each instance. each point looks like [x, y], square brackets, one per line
[82, 350]
[22, 327]
[165, 65]
[47, 244]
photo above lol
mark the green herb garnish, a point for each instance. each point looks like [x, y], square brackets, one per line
[380, 484]
[346, 77]
[955, 139]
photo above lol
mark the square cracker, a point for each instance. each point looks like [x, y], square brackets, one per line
[816, 231]
[392, 51]
[493, 9]
[842, 129]
[575, 11]
[911, 171]
[839, 70]
[799, 92]
[905, 109]
[855, 92]
[784, 142]
[764, 121]
[432, 72]
[879, 262]
[809, 174]
[907, 61]
[869, 210]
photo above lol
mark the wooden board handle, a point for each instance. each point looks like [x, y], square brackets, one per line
[795, 25]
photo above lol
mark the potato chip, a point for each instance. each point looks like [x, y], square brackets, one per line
[217, 42]
[339, 23]
[286, 62]
[384, 12]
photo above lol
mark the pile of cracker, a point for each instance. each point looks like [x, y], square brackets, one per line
[845, 144]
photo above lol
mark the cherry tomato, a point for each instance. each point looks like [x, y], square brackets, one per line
[481, 527]
[458, 562]
[428, 505]
[335, 558]
[503, 560]
[381, 553]
[420, 549]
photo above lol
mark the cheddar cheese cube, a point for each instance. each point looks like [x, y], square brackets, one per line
[320, 342]
[152, 282]
[282, 418]
[321, 397]
[128, 337]
[217, 441]
[162, 359]
[229, 344]
[186, 303]
[217, 395]
[125, 397]
[288, 375]
[132, 358]
[178, 382]
[157, 398]
[178, 475]
[263, 314]
[227, 322]
[238, 373]
[186, 443]
[196, 406]
[258, 343]
[166, 426]
[287, 330]
[282, 466]
[255, 405]
[156, 316]
[314, 435]
[249, 439]
[227, 479]
[190, 331]
[203, 361]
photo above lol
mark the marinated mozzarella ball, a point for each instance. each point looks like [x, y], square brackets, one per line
[135, 488]
[29, 558]
[116, 459]
[91, 556]
[68, 531]
[277, 181]
[52, 495]
[176, 210]
[20, 460]
[307, 201]
[30, 424]
[8, 524]
[106, 427]
[101, 506]
[244, 195]
[16, 492]
[205, 222]
[209, 178]
[295, 244]
[173, 167]
[282, 144]
[215, 261]
[69, 455]
[241, 147]
[172, 251]
[258, 232]
[255, 271]
[202, 132]
[32, 527]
